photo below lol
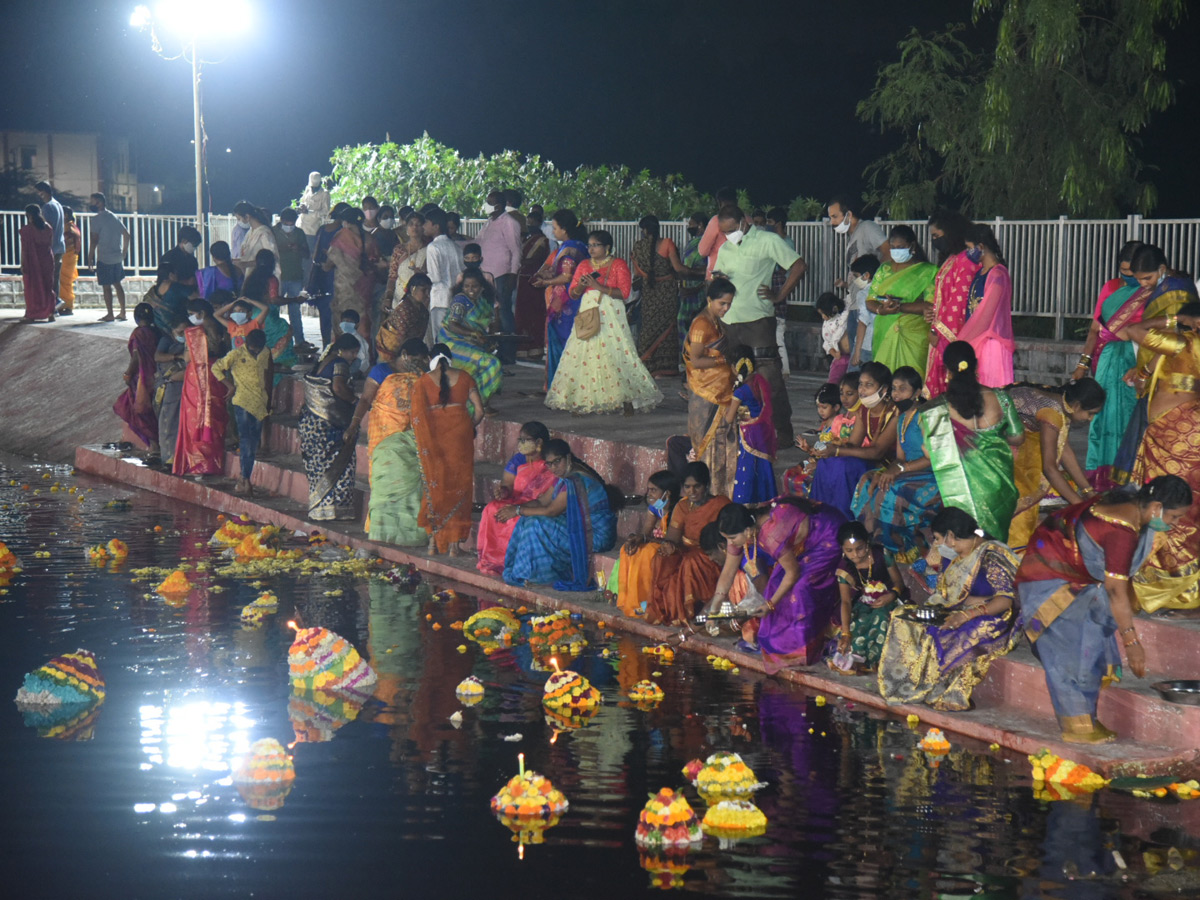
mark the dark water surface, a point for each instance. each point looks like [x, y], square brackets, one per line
[394, 800]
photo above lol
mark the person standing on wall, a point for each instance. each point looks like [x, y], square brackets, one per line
[52, 212]
[748, 258]
[862, 236]
[109, 247]
[500, 240]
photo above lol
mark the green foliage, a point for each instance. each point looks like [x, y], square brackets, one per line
[1045, 125]
[426, 171]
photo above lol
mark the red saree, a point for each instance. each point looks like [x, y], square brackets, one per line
[446, 447]
[530, 311]
[136, 405]
[533, 479]
[200, 447]
[951, 294]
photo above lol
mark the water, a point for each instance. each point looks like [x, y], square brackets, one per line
[394, 800]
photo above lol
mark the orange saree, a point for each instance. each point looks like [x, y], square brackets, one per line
[446, 446]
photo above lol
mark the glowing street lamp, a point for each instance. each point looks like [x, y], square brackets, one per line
[191, 23]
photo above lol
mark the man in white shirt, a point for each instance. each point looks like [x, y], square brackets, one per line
[443, 265]
[863, 236]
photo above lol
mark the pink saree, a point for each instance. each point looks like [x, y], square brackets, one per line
[533, 479]
[200, 447]
[951, 294]
[136, 405]
[989, 329]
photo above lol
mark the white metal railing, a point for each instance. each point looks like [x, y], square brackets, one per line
[1058, 265]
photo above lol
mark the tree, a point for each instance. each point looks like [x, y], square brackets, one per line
[1044, 124]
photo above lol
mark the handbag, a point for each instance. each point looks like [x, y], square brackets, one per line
[587, 323]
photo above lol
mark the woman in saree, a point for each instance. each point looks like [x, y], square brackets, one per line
[1108, 358]
[897, 503]
[1076, 595]
[556, 278]
[200, 443]
[352, 257]
[899, 297]
[710, 388]
[869, 586]
[530, 307]
[871, 443]
[408, 320]
[1170, 579]
[691, 285]
[525, 479]
[262, 285]
[1045, 459]
[135, 406]
[73, 240]
[951, 293]
[970, 433]
[655, 261]
[801, 593]
[408, 258]
[940, 664]
[395, 466]
[683, 574]
[222, 275]
[989, 317]
[445, 426]
[465, 332]
[557, 533]
[37, 267]
[320, 283]
[750, 412]
[635, 566]
[329, 462]
[599, 370]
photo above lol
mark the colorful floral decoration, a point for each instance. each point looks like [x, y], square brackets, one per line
[406, 578]
[665, 652]
[231, 533]
[8, 560]
[528, 805]
[117, 549]
[73, 678]
[264, 777]
[98, 553]
[733, 820]
[646, 692]
[492, 628]
[175, 584]
[469, 691]
[726, 775]
[667, 820]
[556, 633]
[1049, 769]
[255, 612]
[934, 742]
[264, 544]
[569, 691]
[322, 660]
[691, 771]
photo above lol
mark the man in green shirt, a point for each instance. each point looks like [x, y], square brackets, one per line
[748, 258]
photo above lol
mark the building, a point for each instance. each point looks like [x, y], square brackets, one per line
[80, 164]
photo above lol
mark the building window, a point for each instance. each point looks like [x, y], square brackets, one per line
[28, 157]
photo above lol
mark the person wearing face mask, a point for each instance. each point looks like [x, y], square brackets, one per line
[748, 258]
[1045, 459]
[948, 312]
[293, 251]
[873, 441]
[1169, 446]
[862, 235]
[897, 502]
[240, 317]
[970, 433]
[691, 281]
[989, 314]
[385, 236]
[314, 205]
[203, 418]
[249, 372]
[182, 257]
[348, 324]
[938, 662]
[899, 296]
[633, 573]
[525, 478]
[1076, 594]
[168, 357]
[259, 236]
[352, 256]
[862, 273]
[1107, 358]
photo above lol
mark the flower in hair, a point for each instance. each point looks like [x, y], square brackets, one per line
[962, 366]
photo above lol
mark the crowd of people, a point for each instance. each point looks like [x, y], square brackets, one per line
[911, 543]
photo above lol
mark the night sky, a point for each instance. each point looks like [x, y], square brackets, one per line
[756, 94]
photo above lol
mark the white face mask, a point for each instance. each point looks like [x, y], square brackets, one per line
[901, 254]
[735, 237]
[288, 229]
[194, 319]
[349, 327]
[844, 226]
[387, 223]
[189, 247]
[861, 282]
[870, 401]
[947, 551]
[488, 209]
[239, 317]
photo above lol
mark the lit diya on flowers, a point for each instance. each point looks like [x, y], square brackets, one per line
[264, 777]
[322, 660]
[646, 692]
[528, 805]
[667, 820]
[469, 691]
[722, 775]
[568, 690]
[71, 679]
[733, 820]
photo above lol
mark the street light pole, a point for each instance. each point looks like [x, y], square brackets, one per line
[200, 222]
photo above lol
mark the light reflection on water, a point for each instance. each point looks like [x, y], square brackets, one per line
[388, 792]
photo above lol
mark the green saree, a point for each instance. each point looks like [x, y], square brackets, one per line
[396, 492]
[902, 339]
[974, 469]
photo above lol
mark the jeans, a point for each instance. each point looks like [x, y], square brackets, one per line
[324, 306]
[249, 434]
[292, 289]
[759, 336]
[506, 288]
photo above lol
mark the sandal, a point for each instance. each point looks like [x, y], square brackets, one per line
[109, 318]
[121, 317]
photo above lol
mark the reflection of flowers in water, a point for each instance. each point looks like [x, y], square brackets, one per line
[264, 777]
[68, 722]
[316, 715]
[666, 868]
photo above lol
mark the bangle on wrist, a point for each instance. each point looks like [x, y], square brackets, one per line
[1134, 643]
[1126, 631]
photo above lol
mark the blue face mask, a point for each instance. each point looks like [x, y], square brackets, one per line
[1129, 280]
[901, 254]
[348, 327]
[1157, 524]
[975, 254]
[239, 317]
[658, 506]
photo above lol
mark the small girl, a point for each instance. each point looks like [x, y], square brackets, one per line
[829, 406]
[869, 585]
[750, 408]
[834, 339]
[635, 568]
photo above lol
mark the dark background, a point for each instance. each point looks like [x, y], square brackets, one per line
[758, 94]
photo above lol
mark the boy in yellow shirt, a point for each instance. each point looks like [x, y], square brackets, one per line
[251, 372]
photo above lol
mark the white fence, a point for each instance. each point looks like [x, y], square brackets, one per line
[1058, 265]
